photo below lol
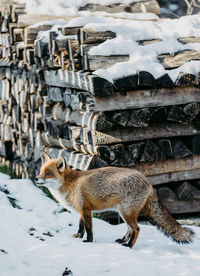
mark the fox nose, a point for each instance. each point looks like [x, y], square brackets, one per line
[36, 179]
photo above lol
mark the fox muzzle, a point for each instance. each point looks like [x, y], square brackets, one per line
[39, 181]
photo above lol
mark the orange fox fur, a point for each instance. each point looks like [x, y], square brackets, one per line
[125, 189]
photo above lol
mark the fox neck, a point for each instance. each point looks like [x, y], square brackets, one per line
[68, 179]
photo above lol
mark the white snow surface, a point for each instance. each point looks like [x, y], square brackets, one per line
[22, 254]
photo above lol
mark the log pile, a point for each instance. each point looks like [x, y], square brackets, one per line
[51, 100]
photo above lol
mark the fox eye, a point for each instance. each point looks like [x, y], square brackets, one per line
[48, 174]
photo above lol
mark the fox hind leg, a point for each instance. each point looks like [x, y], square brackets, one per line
[131, 220]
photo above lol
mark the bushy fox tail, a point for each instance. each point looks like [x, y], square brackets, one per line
[158, 215]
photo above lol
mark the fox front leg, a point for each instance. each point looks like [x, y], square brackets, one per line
[87, 218]
[81, 230]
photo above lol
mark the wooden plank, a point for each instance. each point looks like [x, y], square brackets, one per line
[137, 134]
[148, 98]
[186, 40]
[169, 166]
[174, 177]
[148, 41]
[25, 20]
[93, 62]
[183, 206]
[134, 7]
[65, 78]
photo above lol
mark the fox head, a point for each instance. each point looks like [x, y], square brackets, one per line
[52, 171]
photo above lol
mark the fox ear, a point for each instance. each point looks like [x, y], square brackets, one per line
[61, 164]
[45, 157]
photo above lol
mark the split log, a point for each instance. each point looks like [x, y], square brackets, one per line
[30, 33]
[164, 81]
[60, 130]
[126, 83]
[67, 43]
[94, 62]
[183, 114]
[186, 40]
[12, 26]
[120, 117]
[165, 194]
[148, 41]
[28, 151]
[80, 101]
[89, 36]
[55, 94]
[178, 59]
[180, 150]
[41, 48]
[185, 79]
[146, 79]
[195, 144]
[67, 30]
[187, 191]
[152, 153]
[140, 117]
[38, 146]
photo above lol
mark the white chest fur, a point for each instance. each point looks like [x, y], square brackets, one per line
[61, 198]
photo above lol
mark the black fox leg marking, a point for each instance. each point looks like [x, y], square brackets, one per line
[89, 235]
[125, 238]
[133, 238]
[87, 217]
[130, 241]
[81, 230]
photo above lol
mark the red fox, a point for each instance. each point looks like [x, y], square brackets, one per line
[125, 189]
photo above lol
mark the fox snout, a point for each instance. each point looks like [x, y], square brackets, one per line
[39, 181]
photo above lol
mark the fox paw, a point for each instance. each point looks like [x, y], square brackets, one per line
[86, 241]
[119, 241]
[78, 235]
[126, 245]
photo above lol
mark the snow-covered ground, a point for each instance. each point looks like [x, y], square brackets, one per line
[37, 240]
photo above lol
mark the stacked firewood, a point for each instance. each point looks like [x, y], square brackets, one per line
[50, 100]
